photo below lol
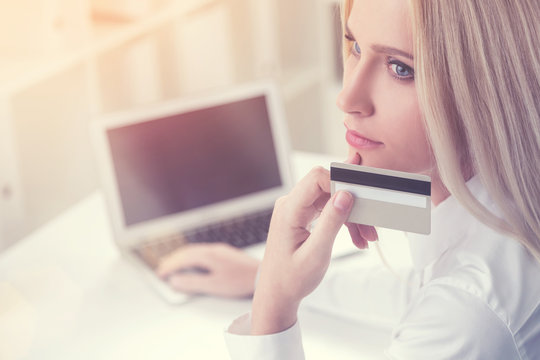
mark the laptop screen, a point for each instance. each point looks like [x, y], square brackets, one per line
[181, 162]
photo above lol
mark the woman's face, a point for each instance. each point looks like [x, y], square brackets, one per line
[382, 115]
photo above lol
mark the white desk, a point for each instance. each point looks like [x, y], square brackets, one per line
[66, 293]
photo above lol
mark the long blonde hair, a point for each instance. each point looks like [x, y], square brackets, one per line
[477, 75]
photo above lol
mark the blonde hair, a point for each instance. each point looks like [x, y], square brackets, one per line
[477, 75]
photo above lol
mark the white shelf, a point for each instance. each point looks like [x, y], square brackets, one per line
[18, 73]
[297, 81]
[11, 196]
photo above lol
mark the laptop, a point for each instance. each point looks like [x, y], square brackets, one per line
[200, 169]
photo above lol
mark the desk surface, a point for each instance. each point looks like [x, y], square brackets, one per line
[66, 293]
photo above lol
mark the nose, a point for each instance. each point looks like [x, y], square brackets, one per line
[355, 97]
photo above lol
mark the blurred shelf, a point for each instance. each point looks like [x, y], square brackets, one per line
[19, 72]
[295, 82]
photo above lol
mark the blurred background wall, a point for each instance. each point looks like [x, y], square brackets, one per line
[63, 62]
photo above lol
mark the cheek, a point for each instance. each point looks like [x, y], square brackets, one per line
[348, 66]
[404, 126]
[404, 134]
[410, 145]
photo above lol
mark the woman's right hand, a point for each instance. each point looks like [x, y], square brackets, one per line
[296, 259]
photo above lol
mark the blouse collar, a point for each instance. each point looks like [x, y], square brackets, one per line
[450, 222]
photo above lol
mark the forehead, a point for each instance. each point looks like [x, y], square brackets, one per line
[386, 22]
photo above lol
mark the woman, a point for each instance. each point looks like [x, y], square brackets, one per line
[449, 89]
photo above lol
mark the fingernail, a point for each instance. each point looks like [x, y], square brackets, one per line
[375, 235]
[343, 200]
[353, 158]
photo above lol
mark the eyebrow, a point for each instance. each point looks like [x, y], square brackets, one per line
[383, 48]
[391, 51]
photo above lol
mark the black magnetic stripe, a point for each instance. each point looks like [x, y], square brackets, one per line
[381, 181]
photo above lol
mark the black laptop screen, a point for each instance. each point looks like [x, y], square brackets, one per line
[176, 163]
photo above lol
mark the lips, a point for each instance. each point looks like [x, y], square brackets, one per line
[360, 142]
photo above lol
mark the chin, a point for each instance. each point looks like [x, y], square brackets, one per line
[380, 163]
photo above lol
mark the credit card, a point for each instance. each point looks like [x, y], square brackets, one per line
[385, 198]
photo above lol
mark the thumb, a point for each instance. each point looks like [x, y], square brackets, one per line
[333, 216]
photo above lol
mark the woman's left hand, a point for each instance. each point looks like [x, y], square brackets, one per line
[223, 270]
[296, 259]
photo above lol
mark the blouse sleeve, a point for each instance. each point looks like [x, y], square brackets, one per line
[372, 294]
[285, 345]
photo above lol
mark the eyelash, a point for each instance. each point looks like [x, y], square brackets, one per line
[389, 62]
[350, 39]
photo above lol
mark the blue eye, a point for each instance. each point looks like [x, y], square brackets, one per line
[356, 48]
[401, 71]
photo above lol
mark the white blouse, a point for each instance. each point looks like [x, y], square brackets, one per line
[473, 294]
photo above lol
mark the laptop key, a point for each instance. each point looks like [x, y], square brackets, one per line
[240, 233]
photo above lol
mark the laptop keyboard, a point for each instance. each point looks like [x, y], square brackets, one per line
[239, 232]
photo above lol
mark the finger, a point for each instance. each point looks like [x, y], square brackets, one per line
[333, 216]
[305, 198]
[189, 256]
[320, 203]
[191, 283]
[314, 184]
[353, 158]
[368, 232]
[356, 236]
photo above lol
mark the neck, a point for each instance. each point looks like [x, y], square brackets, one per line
[439, 192]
